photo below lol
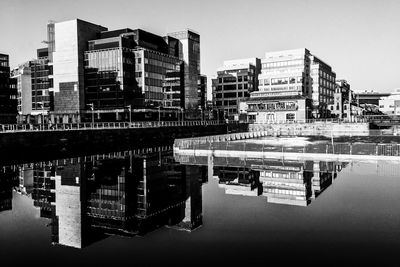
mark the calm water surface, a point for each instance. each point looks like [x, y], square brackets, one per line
[154, 208]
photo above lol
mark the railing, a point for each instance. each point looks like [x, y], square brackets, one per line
[102, 125]
[231, 142]
[355, 120]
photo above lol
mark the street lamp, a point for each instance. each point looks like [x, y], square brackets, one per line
[91, 105]
[130, 114]
[42, 105]
[159, 114]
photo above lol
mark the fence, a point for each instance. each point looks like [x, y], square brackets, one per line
[102, 125]
[307, 121]
[231, 142]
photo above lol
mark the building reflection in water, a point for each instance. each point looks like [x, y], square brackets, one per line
[8, 180]
[280, 181]
[125, 193]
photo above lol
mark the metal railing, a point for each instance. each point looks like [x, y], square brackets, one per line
[102, 125]
[333, 120]
[231, 142]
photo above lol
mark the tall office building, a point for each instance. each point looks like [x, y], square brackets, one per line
[202, 91]
[8, 92]
[71, 41]
[323, 87]
[111, 70]
[189, 52]
[235, 80]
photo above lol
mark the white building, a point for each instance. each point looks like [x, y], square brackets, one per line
[390, 104]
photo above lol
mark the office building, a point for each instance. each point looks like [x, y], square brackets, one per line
[285, 88]
[108, 71]
[22, 74]
[8, 93]
[323, 87]
[34, 86]
[293, 85]
[202, 92]
[188, 50]
[235, 80]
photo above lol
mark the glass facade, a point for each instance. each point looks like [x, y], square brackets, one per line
[234, 84]
[8, 92]
[41, 83]
[109, 77]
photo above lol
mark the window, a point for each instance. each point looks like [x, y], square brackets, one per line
[239, 78]
[290, 116]
[266, 81]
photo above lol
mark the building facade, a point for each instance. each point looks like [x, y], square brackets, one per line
[34, 86]
[390, 105]
[323, 87]
[293, 85]
[344, 101]
[202, 92]
[235, 80]
[189, 51]
[108, 71]
[22, 74]
[8, 93]
[369, 97]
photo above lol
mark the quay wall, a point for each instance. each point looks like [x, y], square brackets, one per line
[22, 145]
[313, 129]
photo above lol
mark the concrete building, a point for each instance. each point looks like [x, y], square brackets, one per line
[22, 74]
[235, 80]
[71, 41]
[8, 93]
[293, 85]
[390, 104]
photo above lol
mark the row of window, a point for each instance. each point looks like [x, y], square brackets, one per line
[233, 79]
[233, 87]
[282, 63]
[232, 95]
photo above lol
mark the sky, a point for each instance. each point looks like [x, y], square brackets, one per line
[360, 40]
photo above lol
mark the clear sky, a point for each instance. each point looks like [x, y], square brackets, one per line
[360, 39]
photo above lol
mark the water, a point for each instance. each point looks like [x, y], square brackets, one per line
[157, 208]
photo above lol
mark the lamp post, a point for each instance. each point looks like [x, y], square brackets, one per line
[183, 114]
[42, 105]
[159, 114]
[130, 114]
[91, 105]
[306, 113]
